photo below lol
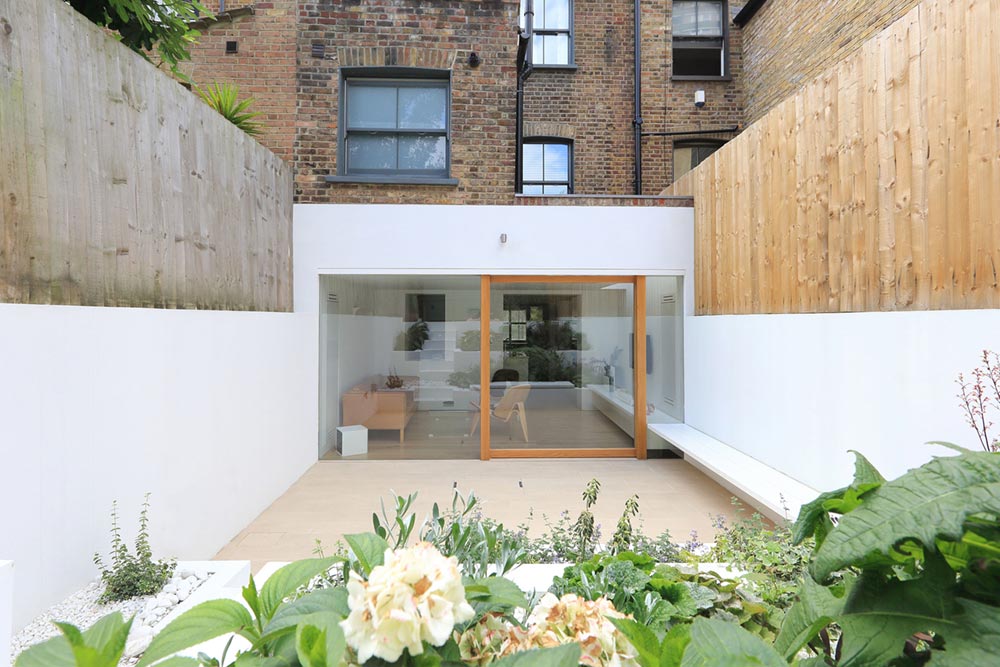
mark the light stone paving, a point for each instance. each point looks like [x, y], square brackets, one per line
[334, 498]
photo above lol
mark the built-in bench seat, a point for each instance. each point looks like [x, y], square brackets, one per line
[774, 494]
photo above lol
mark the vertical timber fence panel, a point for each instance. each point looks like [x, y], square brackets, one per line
[118, 187]
[876, 187]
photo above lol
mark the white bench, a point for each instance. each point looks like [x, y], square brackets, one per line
[774, 494]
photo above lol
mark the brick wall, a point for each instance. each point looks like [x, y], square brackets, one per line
[789, 42]
[422, 33]
[668, 105]
[263, 67]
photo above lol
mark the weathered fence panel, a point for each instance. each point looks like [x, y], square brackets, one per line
[118, 187]
[877, 187]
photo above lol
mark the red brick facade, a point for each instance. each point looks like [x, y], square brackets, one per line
[298, 92]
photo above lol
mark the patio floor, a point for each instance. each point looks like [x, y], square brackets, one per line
[338, 497]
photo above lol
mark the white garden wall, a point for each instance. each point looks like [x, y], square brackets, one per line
[561, 240]
[212, 412]
[797, 391]
[6, 610]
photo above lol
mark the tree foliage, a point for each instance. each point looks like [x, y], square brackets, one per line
[145, 25]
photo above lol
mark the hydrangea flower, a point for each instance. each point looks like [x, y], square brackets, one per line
[416, 596]
[556, 621]
[489, 639]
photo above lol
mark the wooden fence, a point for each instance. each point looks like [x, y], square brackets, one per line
[877, 187]
[118, 187]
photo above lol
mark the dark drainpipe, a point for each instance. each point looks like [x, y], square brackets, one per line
[524, 46]
[637, 120]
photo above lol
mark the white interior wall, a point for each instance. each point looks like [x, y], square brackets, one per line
[797, 391]
[99, 404]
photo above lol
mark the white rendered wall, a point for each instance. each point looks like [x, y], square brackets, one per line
[797, 391]
[6, 610]
[561, 240]
[212, 412]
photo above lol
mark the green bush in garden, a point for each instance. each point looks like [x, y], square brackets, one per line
[132, 575]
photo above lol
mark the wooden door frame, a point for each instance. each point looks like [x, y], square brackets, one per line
[638, 376]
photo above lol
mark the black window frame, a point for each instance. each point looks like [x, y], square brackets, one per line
[395, 77]
[569, 32]
[562, 141]
[697, 42]
[693, 143]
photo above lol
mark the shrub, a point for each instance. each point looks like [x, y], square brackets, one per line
[224, 98]
[132, 575]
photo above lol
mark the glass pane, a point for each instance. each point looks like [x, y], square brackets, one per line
[399, 357]
[710, 19]
[423, 108]
[698, 62]
[366, 152]
[533, 166]
[556, 50]
[533, 190]
[371, 106]
[556, 162]
[664, 350]
[562, 369]
[555, 15]
[556, 190]
[427, 153]
[701, 153]
[683, 161]
[685, 19]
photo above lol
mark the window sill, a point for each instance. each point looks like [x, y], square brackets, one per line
[556, 68]
[392, 180]
[689, 77]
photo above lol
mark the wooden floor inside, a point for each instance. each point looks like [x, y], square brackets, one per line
[338, 497]
[445, 435]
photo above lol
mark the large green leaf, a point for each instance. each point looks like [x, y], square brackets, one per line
[560, 656]
[716, 643]
[368, 548]
[931, 501]
[206, 621]
[102, 644]
[642, 638]
[974, 640]
[881, 612]
[674, 645]
[813, 518]
[496, 591]
[287, 579]
[817, 607]
[319, 640]
[329, 600]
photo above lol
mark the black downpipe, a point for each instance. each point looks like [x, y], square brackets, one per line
[637, 120]
[524, 57]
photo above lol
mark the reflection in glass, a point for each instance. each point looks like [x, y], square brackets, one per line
[371, 152]
[371, 106]
[423, 108]
[554, 13]
[422, 152]
[534, 169]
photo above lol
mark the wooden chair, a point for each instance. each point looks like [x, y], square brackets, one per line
[512, 404]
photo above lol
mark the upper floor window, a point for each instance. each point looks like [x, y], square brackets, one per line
[552, 44]
[548, 167]
[689, 154]
[700, 30]
[395, 128]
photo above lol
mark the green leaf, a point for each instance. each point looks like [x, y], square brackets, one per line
[642, 638]
[310, 643]
[324, 600]
[496, 591]
[816, 608]
[99, 646]
[880, 613]
[322, 627]
[206, 621]
[933, 500]
[252, 597]
[179, 661]
[813, 517]
[717, 643]
[674, 645]
[560, 656]
[254, 660]
[974, 640]
[369, 549]
[287, 579]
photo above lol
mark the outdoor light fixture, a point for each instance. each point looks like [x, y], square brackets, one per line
[231, 48]
[699, 98]
[474, 59]
[318, 50]
[503, 238]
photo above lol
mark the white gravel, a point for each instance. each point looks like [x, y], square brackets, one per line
[82, 610]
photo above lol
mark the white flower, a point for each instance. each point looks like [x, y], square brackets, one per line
[415, 596]
[556, 621]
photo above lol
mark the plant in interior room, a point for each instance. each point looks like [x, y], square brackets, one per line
[393, 380]
[225, 99]
[143, 25]
[547, 365]
[980, 396]
[464, 379]
[132, 574]
[469, 340]
[555, 335]
[413, 337]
